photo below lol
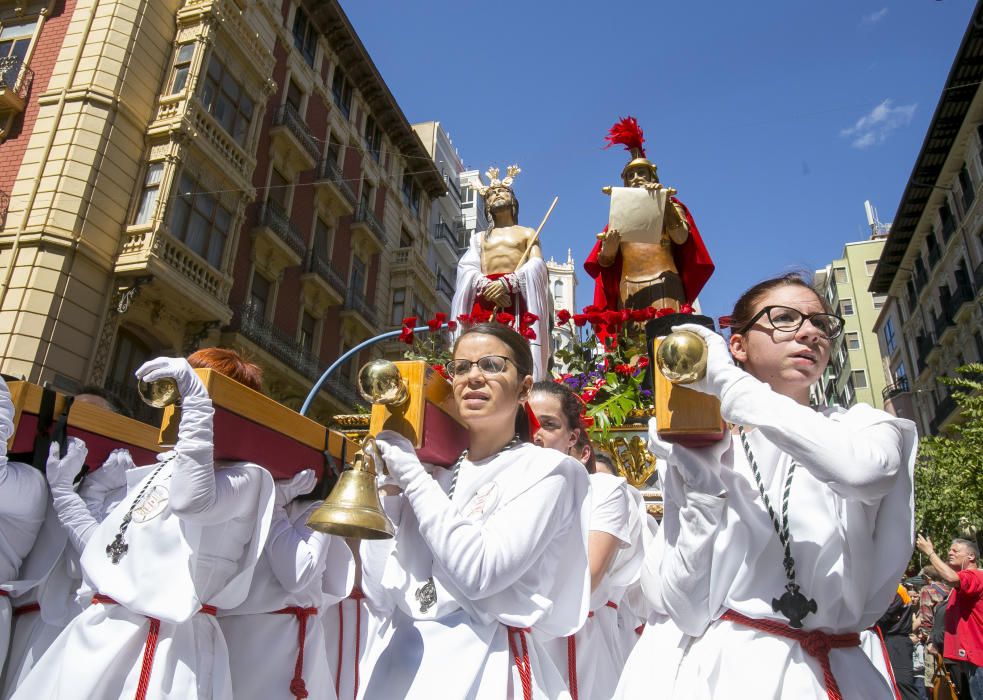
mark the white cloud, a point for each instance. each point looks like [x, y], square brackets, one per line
[874, 127]
[874, 17]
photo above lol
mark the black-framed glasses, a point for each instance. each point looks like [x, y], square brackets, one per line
[489, 364]
[784, 318]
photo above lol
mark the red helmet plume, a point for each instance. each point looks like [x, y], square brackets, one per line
[627, 133]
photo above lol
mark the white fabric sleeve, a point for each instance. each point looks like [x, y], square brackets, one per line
[483, 559]
[856, 460]
[678, 568]
[75, 517]
[609, 512]
[23, 490]
[199, 493]
[295, 551]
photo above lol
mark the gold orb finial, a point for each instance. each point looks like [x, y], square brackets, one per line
[380, 383]
[682, 357]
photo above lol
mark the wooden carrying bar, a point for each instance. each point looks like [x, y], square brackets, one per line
[251, 427]
[429, 419]
[102, 430]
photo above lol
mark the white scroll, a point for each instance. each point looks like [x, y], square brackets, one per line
[637, 213]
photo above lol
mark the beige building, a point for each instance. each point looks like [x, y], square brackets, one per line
[932, 264]
[854, 374]
[185, 173]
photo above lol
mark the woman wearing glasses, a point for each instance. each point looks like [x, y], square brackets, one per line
[781, 543]
[490, 556]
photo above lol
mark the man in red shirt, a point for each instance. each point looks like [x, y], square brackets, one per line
[963, 650]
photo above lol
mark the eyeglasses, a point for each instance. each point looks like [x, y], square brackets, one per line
[489, 364]
[784, 318]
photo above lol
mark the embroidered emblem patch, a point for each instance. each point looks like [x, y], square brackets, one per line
[483, 501]
[153, 504]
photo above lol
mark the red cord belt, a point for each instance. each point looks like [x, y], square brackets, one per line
[815, 643]
[297, 686]
[572, 657]
[358, 597]
[150, 646]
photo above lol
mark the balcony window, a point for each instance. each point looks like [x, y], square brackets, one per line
[341, 89]
[148, 197]
[878, 300]
[279, 191]
[368, 196]
[852, 341]
[411, 193]
[839, 275]
[357, 278]
[846, 307]
[200, 221]
[322, 240]
[224, 98]
[334, 149]
[295, 97]
[948, 222]
[305, 36]
[890, 341]
[182, 65]
[15, 40]
[467, 195]
[308, 328]
[373, 138]
[968, 190]
[398, 307]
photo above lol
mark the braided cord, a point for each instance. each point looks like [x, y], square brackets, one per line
[781, 526]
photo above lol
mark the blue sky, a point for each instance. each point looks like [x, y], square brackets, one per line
[774, 120]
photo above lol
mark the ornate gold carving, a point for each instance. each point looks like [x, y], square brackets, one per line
[632, 458]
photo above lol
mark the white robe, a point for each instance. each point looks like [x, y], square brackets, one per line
[194, 541]
[533, 281]
[597, 646]
[508, 550]
[23, 499]
[51, 577]
[299, 568]
[634, 609]
[851, 525]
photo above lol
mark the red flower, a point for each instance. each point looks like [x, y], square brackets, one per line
[437, 321]
[528, 333]
[725, 321]
[409, 322]
[664, 312]
[588, 395]
[480, 316]
[464, 318]
[406, 335]
[611, 342]
[452, 326]
[505, 318]
[563, 317]
[638, 315]
[527, 319]
[441, 370]
[580, 320]
[643, 362]
[595, 317]
[649, 313]
[589, 308]
[586, 422]
[612, 318]
[685, 309]
[625, 315]
[623, 369]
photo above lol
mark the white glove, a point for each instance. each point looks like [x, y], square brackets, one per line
[110, 477]
[721, 370]
[6, 417]
[699, 467]
[176, 368]
[399, 457]
[61, 471]
[288, 489]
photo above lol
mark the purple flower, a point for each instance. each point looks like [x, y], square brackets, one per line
[645, 394]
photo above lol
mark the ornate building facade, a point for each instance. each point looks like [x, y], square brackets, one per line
[199, 172]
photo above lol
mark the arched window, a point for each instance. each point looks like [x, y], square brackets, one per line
[558, 289]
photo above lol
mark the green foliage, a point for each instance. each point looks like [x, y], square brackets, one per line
[949, 468]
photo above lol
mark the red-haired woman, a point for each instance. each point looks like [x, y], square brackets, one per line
[784, 541]
[184, 541]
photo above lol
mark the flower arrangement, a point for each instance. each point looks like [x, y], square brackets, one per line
[608, 375]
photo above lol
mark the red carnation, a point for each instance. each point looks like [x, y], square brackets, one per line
[528, 333]
[625, 315]
[623, 368]
[638, 315]
[505, 318]
[685, 309]
[612, 317]
[480, 316]
[437, 321]
[409, 322]
[643, 362]
[580, 320]
[441, 370]
[563, 317]
[595, 317]
[649, 313]
[452, 326]
[589, 308]
[528, 318]
[406, 335]
[664, 312]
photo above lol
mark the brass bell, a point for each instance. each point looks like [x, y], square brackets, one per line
[380, 383]
[682, 357]
[353, 508]
[163, 392]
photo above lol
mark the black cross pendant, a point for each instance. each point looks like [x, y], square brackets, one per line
[793, 605]
[117, 549]
[426, 595]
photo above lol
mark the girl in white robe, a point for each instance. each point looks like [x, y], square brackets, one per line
[300, 573]
[23, 500]
[489, 557]
[769, 615]
[183, 542]
[52, 573]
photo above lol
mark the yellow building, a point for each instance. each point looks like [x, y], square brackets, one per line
[200, 172]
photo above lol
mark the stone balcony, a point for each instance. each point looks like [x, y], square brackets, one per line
[331, 187]
[358, 312]
[154, 252]
[367, 227]
[275, 235]
[293, 139]
[411, 262]
[321, 284]
[15, 84]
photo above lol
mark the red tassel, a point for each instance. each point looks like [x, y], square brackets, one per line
[627, 133]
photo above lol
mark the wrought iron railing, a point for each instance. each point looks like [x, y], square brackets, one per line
[330, 171]
[365, 216]
[357, 303]
[4, 206]
[323, 269]
[962, 295]
[275, 341]
[287, 116]
[272, 215]
[900, 386]
[127, 394]
[16, 76]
